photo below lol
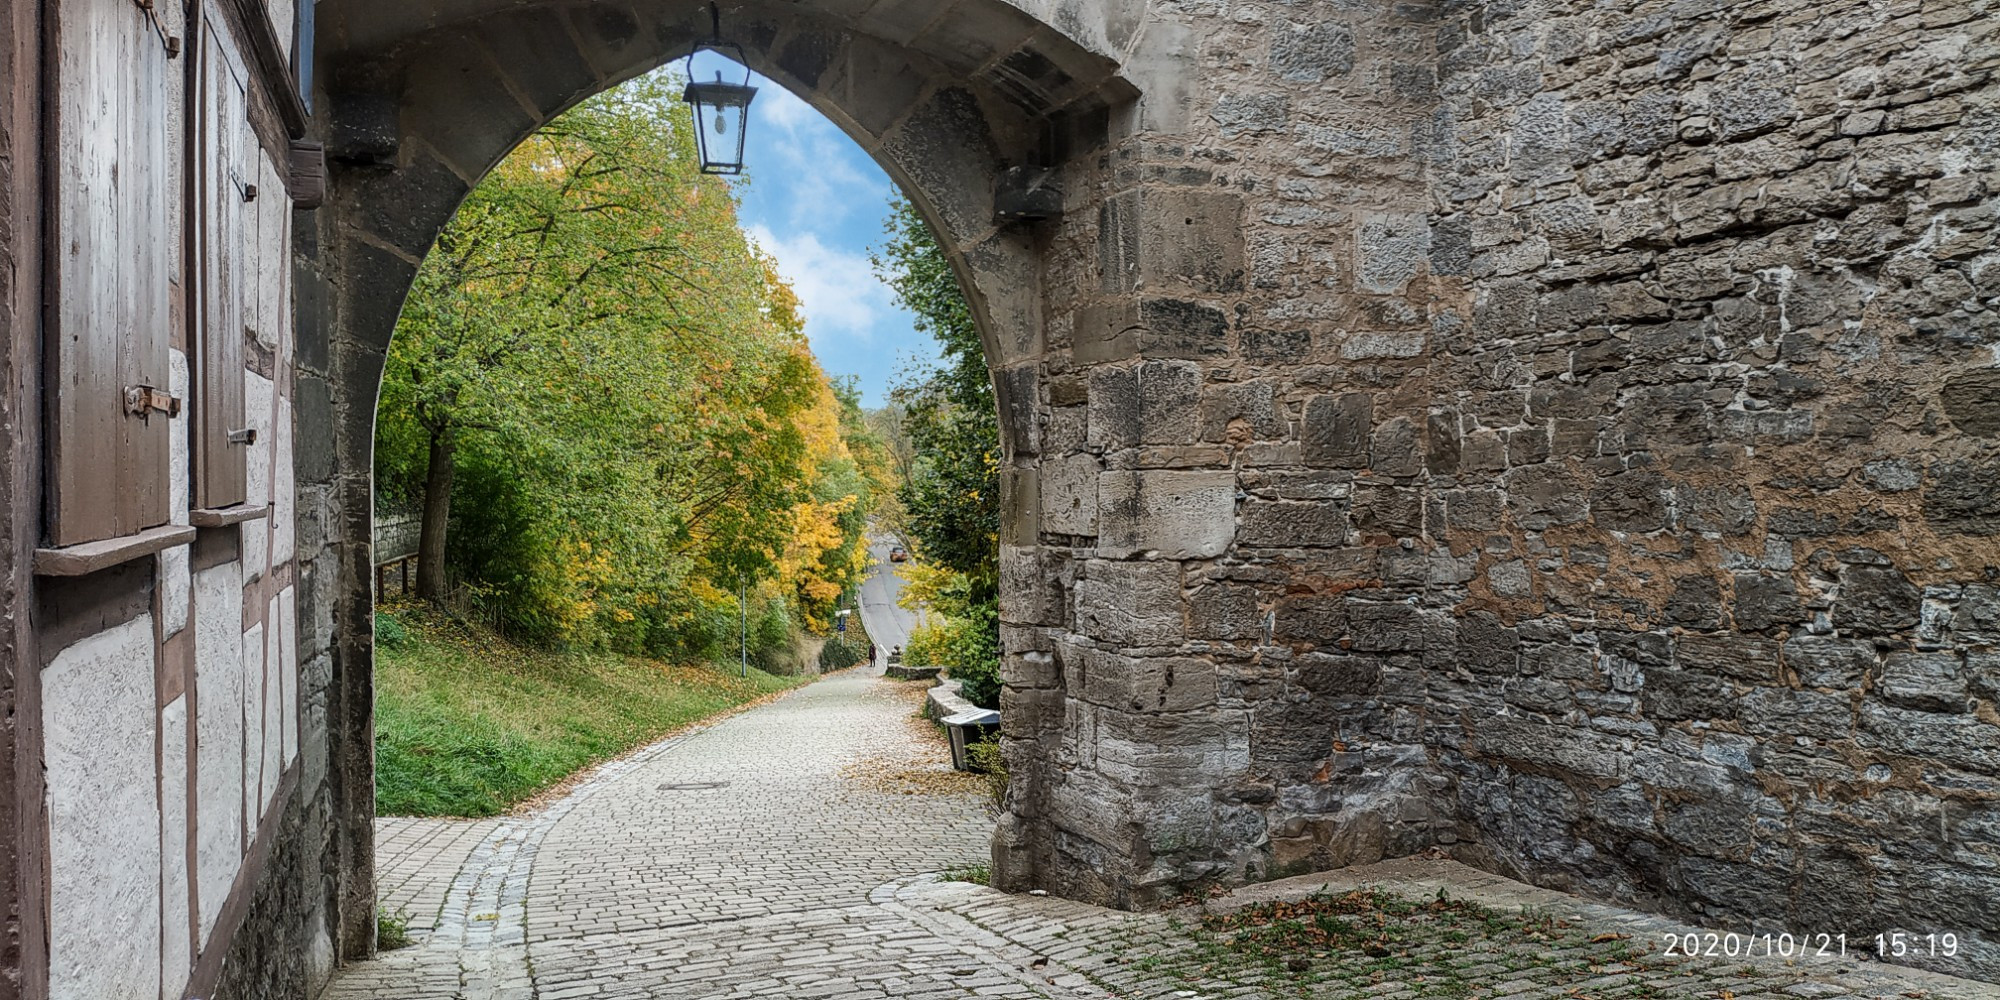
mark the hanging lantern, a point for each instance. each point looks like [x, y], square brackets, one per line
[721, 110]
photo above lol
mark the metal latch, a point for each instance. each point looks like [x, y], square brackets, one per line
[247, 435]
[142, 400]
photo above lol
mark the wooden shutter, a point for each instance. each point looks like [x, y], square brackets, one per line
[227, 155]
[110, 246]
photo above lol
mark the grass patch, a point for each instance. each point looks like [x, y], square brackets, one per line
[975, 874]
[392, 930]
[469, 724]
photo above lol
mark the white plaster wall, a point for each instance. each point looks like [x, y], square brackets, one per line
[173, 563]
[257, 404]
[274, 727]
[288, 677]
[176, 952]
[178, 465]
[284, 19]
[271, 260]
[104, 817]
[253, 731]
[218, 629]
[284, 486]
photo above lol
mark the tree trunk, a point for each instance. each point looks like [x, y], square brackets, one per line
[437, 514]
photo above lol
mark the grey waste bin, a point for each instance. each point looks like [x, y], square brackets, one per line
[967, 728]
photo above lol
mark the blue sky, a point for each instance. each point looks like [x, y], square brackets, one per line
[816, 202]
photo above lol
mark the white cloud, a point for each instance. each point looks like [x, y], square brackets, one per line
[814, 161]
[844, 303]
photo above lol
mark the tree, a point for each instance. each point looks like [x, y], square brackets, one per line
[599, 228]
[601, 395]
[952, 490]
[950, 493]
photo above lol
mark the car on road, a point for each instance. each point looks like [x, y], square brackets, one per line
[898, 554]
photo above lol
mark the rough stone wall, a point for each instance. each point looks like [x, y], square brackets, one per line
[1219, 654]
[1562, 433]
[1717, 289]
[1558, 433]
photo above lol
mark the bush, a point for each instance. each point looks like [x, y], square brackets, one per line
[837, 655]
[986, 758]
[974, 656]
[389, 631]
[967, 647]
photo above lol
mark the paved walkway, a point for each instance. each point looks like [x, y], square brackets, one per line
[789, 852]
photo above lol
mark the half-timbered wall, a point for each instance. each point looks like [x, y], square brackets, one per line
[165, 607]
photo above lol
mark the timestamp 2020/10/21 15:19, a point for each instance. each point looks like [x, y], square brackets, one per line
[1889, 945]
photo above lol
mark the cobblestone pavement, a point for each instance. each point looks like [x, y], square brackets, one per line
[416, 861]
[790, 852]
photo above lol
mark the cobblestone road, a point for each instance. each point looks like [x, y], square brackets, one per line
[789, 852]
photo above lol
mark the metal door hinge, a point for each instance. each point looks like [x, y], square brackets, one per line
[143, 400]
[247, 435]
[170, 41]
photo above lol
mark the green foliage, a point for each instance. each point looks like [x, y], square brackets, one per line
[943, 425]
[389, 631]
[965, 643]
[615, 386]
[392, 930]
[951, 492]
[986, 758]
[977, 874]
[469, 724]
[837, 655]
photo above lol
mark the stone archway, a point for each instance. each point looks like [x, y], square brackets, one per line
[420, 104]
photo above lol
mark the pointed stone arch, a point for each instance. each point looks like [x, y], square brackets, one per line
[421, 100]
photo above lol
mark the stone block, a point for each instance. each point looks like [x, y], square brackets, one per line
[1169, 401]
[1337, 430]
[1106, 331]
[1176, 514]
[1784, 713]
[1564, 749]
[1288, 524]
[1069, 494]
[1141, 684]
[1228, 612]
[1545, 496]
[1114, 407]
[1672, 695]
[1241, 114]
[1310, 53]
[1396, 449]
[1241, 410]
[1020, 505]
[1388, 511]
[1744, 657]
[1378, 626]
[1129, 603]
[1931, 682]
[1875, 600]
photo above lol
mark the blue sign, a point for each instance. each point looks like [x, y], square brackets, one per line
[841, 624]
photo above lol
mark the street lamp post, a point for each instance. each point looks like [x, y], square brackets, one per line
[721, 110]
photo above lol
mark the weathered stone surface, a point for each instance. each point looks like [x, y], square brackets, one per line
[1607, 392]
[1175, 514]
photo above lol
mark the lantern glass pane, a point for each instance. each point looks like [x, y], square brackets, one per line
[721, 114]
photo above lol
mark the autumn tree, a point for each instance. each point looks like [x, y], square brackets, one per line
[601, 398]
